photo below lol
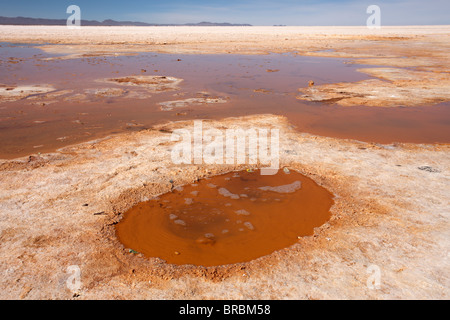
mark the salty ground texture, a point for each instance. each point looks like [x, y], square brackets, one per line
[13, 93]
[423, 49]
[391, 201]
[143, 87]
[390, 212]
[402, 88]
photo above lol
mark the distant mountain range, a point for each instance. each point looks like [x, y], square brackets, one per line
[22, 21]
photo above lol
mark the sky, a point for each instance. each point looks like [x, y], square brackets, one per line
[255, 12]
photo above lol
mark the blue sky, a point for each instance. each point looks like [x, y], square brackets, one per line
[256, 12]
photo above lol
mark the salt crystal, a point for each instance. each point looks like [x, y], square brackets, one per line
[224, 192]
[242, 212]
[287, 188]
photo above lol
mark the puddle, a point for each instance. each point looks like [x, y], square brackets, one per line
[232, 218]
[246, 84]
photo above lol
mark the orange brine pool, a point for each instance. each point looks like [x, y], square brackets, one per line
[236, 217]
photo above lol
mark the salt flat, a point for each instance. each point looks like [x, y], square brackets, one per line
[391, 206]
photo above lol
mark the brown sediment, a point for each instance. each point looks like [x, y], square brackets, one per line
[232, 218]
[388, 211]
[154, 83]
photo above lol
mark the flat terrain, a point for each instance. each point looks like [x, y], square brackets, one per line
[391, 209]
[424, 48]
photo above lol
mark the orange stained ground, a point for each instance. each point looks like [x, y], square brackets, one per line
[231, 218]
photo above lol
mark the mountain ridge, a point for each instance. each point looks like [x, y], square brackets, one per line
[25, 21]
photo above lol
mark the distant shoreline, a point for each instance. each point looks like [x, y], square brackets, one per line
[25, 21]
